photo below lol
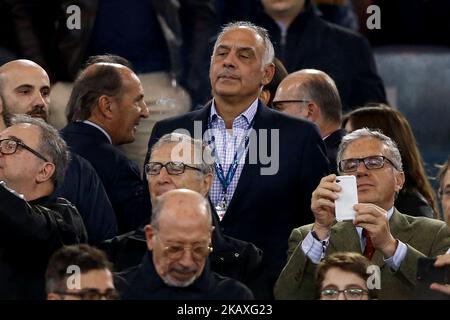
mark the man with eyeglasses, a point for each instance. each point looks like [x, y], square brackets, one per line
[33, 160]
[392, 240]
[167, 170]
[312, 95]
[79, 272]
[176, 265]
[25, 89]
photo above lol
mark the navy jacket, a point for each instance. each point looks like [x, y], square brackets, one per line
[120, 176]
[332, 143]
[83, 188]
[265, 208]
[144, 283]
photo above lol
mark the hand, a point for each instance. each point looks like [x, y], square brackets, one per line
[442, 261]
[374, 220]
[322, 205]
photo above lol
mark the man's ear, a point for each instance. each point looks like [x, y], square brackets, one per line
[106, 106]
[313, 112]
[45, 173]
[269, 71]
[399, 180]
[149, 233]
[265, 97]
[206, 184]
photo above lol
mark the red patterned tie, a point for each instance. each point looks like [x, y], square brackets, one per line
[369, 249]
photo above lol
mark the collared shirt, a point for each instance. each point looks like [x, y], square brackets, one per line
[227, 141]
[99, 128]
[315, 249]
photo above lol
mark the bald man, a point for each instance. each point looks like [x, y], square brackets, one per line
[107, 104]
[176, 266]
[24, 89]
[312, 95]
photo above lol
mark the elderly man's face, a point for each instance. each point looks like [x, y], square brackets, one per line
[26, 90]
[130, 109]
[163, 182]
[377, 186]
[236, 65]
[445, 196]
[181, 244]
[22, 168]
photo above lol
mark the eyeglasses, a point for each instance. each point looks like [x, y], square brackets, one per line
[9, 146]
[349, 294]
[176, 252]
[173, 168]
[91, 294]
[277, 104]
[372, 162]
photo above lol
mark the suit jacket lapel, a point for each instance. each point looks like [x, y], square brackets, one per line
[344, 237]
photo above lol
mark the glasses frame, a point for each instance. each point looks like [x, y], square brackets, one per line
[164, 165]
[274, 103]
[84, 292]
[345, 292]
[365, 164]
[185, 247]
[23, 145]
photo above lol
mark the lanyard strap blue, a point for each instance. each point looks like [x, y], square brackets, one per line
[225, 181]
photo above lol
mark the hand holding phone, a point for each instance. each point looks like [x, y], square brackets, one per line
[347, 198]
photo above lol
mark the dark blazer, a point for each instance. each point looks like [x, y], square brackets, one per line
[314, 43]
[265, 208]
[84, 189]
[424, 238]
[332, 143]
[120, 176]
[144, 283]
[29, 234]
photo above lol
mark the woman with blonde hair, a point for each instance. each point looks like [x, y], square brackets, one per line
[417, 196]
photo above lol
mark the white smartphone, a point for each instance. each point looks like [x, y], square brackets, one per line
[348, 197]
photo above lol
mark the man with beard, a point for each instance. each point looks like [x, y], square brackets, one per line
[25, 89]
[176, 266]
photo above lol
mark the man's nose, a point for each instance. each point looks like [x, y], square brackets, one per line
[187, 259]
[144, 110]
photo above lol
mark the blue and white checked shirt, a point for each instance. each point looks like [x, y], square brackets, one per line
[315, 249]
[226, 143]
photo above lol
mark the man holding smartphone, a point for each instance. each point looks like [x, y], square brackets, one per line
[397, 240]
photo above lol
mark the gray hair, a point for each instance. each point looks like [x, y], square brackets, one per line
[321, 88]
[375, 134]
[269, 52]
[159, 205]
[201, 150]
[51, 145]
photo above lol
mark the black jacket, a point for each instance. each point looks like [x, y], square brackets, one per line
[144, 283]
[332, 143]
[120, 176]
[29, 234]
[84, 189]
